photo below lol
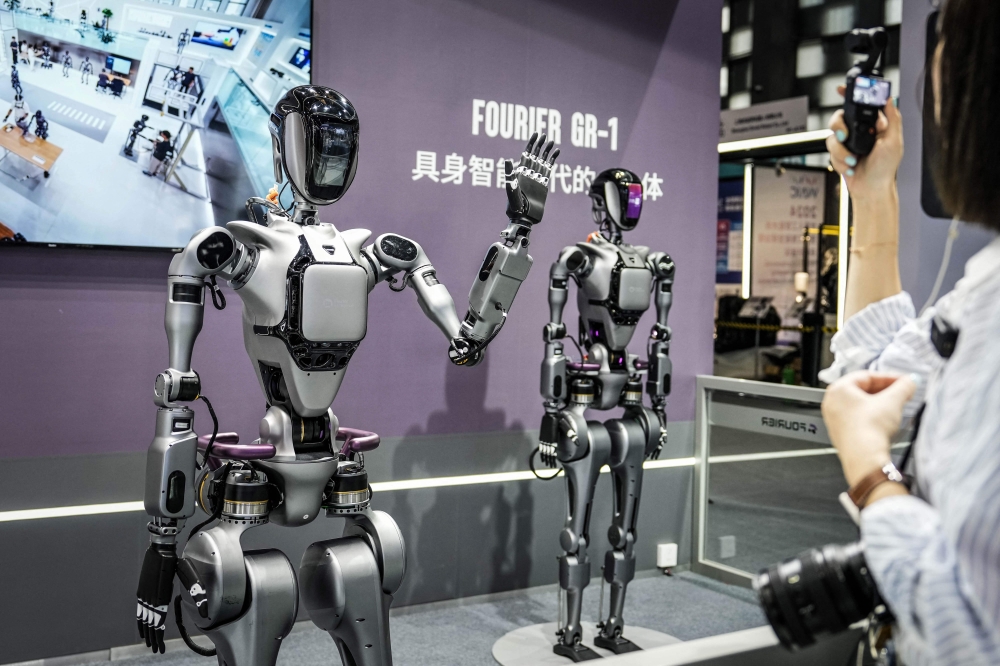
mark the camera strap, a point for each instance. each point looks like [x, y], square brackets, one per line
[944, 337]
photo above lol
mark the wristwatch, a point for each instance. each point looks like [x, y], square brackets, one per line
[861, 490]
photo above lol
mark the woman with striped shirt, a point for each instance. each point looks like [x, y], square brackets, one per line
[934, 549]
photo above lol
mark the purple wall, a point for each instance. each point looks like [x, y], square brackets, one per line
[81, 332]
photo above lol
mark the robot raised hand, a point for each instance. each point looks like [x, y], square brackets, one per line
[304, 287]
[507, 262]
[528, 183]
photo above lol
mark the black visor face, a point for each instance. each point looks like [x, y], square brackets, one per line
[334, 148]
[631, 198]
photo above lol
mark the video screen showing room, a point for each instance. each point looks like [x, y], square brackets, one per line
[136, 123]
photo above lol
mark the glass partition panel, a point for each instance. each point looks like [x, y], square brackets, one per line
[247, 119]
[768, 478]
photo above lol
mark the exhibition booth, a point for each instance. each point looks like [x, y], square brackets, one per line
[175, 216]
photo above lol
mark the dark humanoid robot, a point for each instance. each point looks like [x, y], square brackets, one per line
[67, 63]
[182, 40]
[134, 133]
[15, 81]
[46, 56]
[614, 283]
[86, 69]
[41, 126]
[304, 287]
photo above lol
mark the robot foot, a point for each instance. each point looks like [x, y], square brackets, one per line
[576, 652]
[617, 645]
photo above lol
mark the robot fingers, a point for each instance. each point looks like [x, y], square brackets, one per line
[538, 147]
[526, 155]
[151, 620]
[155, 585]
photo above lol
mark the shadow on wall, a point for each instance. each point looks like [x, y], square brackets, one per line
[460, 542]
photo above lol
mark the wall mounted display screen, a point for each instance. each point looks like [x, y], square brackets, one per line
[118, 65]
[301, 59]
[220, 36]
[177, 144]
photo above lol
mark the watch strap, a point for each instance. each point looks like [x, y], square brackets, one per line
[861, 490]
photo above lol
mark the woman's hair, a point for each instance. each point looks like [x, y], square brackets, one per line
[967, 168]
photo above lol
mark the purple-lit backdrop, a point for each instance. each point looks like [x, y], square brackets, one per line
[81, 332]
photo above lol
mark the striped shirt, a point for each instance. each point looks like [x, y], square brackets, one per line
[936, 554]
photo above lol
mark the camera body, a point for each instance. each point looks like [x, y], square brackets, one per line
[867, 92]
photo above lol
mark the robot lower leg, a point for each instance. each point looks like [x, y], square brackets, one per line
[574, 565]
[629, 442]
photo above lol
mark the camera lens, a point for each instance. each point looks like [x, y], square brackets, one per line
[821, 591]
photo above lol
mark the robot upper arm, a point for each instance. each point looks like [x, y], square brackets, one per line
[391, 254]
[662, 265]
[209, 252]
[572, 261]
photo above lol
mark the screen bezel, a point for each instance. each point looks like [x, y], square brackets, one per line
[155, 248]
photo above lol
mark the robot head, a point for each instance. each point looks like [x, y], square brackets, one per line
[617, 197]
[314, 138]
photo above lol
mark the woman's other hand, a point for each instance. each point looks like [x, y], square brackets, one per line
[862, 411]
[875, 174]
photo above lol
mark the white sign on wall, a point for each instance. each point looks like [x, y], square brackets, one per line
[785, 202]
[785, 116]
[148, 17]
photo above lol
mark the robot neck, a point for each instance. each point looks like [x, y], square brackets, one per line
[614, 234]
[303, 212]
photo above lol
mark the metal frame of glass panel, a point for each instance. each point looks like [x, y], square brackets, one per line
[702, 456]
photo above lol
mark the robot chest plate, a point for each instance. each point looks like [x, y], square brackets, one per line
[334, 302]
[626, 287]
[325, 309]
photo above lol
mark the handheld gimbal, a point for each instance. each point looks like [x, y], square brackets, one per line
[867, 93]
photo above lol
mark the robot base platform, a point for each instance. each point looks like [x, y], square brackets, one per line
[532, 646]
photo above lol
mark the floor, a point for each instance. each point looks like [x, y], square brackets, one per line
[686, 606]
[95, 195]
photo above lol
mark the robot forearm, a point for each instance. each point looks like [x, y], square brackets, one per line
[660, 366]
[392, 254]
[435, 300]
[504, 268]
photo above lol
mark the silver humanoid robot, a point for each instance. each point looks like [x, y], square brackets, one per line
[614, 283]
[304, 287]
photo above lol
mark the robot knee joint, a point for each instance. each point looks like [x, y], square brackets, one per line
[574, 573]
[618, 567]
